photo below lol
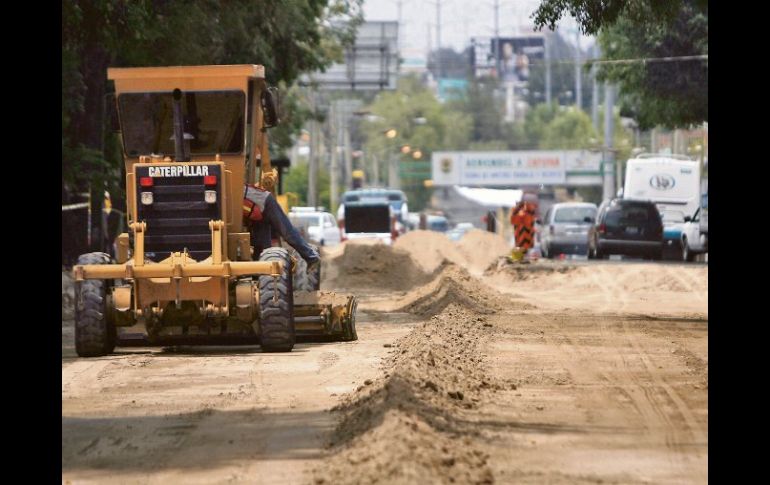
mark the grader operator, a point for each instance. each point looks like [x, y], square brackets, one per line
[194, 268]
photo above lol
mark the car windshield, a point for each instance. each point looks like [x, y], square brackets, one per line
[573, 214]
[213, 122]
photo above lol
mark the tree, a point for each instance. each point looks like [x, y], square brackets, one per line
[671, 94]
[592, 15]
[421, 122]
[453, 64]
[481, 105]
[570, 129]
[288, 37]
[667, 93]
[296, 181]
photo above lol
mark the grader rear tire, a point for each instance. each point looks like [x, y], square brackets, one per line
[276, 305]
[95, 334]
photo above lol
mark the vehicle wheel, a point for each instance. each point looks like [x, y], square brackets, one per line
[657, 255]
[349, 324]
[95, 334]
[686, 253]
[276, 305]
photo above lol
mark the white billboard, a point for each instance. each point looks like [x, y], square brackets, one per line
[518, 168]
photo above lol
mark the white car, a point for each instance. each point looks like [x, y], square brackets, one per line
[318, 226]
[694, 241]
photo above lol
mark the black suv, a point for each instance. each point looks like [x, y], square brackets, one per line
[627, 227]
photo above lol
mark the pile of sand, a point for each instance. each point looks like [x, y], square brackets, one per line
[630, 278]
[434, 374]
[481, 248]
[451, 285]
[475, 251]
[429, 248]
[375, 265]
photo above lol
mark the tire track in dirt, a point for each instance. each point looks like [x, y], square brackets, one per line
[645, 397]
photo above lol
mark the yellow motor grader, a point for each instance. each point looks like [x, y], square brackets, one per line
[185, 273]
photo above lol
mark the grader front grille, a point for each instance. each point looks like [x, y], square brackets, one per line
[178, 215]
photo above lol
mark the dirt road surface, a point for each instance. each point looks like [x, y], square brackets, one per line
[467, 370]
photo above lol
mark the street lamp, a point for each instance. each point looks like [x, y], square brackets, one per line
[391, 133]
[406, 149]
[417, 154]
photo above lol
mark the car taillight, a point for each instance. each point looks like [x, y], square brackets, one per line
[145, 182]
[210, 180]
[602, 228]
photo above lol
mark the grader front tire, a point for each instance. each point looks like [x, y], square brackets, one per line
[95, 335]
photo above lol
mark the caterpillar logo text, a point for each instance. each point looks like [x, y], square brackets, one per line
[179, 171]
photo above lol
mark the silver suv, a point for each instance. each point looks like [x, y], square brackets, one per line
[564, 228]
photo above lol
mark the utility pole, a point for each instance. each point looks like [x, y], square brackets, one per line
[312, 182]
[375, 170]
[348, 155]
[393, 162]
[608, 164]
[497, 38]
[400, 29]
[334, 168]
[595, 90]
[438, 38]
[578, 76]
[547, 56]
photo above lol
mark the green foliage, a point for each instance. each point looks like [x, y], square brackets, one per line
[570, 129]
[592, 15]
[672, 94]
[288, 37]
[297, 181]
[485, 111]
[443, 130]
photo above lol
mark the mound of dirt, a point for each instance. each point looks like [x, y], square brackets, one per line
[370, 265]
[481, 248]
[451, 284]
[475, 251]
[429, 249]
[630, 278]
[434, 374]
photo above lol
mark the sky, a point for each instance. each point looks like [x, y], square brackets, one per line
[460, 20]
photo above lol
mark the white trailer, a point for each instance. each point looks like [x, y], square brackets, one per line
[673, 183]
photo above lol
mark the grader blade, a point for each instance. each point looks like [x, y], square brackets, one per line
[325, 314]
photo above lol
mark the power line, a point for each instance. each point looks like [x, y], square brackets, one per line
[644, 60]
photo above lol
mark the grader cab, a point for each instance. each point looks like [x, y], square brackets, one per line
[185, 273]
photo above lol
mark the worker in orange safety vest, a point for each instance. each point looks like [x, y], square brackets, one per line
[523, 218]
